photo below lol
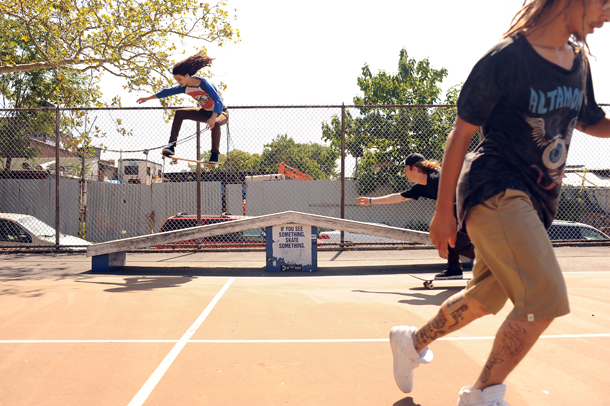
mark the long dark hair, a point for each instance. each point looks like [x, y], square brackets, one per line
[192, 64]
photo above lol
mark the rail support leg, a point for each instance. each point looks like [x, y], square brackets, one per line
[108, 262]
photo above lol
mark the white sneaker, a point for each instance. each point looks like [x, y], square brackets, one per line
[406, 358]
[490, 396]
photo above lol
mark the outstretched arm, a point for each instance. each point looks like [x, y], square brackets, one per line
[443, 228]
[145, 99]
[387, 199]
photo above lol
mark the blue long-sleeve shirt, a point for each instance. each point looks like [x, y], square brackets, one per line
[206, 94]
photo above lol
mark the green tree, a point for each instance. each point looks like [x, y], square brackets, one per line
[35, 89]
[315, 160]
[239, 161]
[379, 137]
[41, 87]
[130, 39]
[242, 161]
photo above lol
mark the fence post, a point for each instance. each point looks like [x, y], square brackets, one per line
[342, 169]
[226, 174]
[57, 177]
[198, 181]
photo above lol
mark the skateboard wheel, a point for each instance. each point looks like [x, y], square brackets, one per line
[429, 285]
[207, 168]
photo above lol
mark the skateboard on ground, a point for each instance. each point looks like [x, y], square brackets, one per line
[429, 279]
[207, 166]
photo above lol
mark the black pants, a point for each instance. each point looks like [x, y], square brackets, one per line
[464, 247]
[201, 115]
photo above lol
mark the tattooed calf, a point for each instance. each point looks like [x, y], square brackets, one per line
[458, 315]
[512, 342]
[453, 300]
[431, 330]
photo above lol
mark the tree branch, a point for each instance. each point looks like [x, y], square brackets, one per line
[66, 63]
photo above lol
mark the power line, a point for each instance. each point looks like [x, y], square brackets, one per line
[190, 137]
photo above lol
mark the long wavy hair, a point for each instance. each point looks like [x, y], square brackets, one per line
[530, 14]
[192, 64]
[428, 165]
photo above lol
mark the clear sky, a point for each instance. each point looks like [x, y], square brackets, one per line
[311, 52]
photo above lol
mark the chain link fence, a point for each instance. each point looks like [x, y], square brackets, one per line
[106, 178]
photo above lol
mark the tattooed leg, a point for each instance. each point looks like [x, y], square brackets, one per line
[514, 339]
[454, 313]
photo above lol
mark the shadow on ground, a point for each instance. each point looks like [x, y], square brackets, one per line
[168, 270]
[407, 402]
[415, 298]
[140, 283]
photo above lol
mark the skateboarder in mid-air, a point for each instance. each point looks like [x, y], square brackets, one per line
[211, 110]
[426, 174]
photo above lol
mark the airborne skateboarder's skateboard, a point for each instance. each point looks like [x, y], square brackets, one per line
[206, 165]
[429, 279]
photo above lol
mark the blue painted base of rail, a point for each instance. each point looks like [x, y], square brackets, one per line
[108, 262]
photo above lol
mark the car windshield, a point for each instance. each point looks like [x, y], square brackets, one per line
[590, 234]
[37, 227]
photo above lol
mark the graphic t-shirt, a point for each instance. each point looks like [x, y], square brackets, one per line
[206, 94]
[429, 190]
[528, 108]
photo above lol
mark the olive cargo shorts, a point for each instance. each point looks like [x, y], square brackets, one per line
[514, 259]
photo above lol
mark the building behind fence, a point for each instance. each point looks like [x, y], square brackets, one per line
[105, 179]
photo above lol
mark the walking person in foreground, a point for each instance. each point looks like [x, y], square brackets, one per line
[529, 93]
[426, 174]
[211, 110]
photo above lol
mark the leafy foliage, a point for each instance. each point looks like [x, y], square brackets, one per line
[14, 135]
[238, 161]
[316, 160]
[382, 135]
[43, 88]
[127, 38]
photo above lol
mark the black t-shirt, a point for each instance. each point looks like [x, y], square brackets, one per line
[429, 190]
[528, 108]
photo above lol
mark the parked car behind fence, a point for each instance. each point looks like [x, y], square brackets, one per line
[22, 230]
[334, 237]
[571, 231]
[249, 238]
[559, 231]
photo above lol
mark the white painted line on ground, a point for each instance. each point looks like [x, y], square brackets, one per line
[373, 340]
[603, 335]
[314, 340]
[154, 379]
[391, 275]
[83, 341]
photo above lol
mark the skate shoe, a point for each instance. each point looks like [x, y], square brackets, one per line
[490, 396]
[169, 150]
[406, 358]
